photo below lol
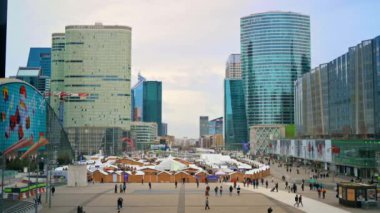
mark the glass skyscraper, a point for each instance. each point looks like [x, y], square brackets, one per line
[236, 131]
[215, 126]
[40, 57]
[147, 102]
[275, 51]
[203, 126]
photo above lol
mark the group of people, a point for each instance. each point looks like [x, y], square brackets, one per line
[254, 182]
[123, 188]
[298, 200]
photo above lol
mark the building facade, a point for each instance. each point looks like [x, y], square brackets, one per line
[147, 102]
[233, 67]
[275, 51]
[215, 126]
[91, 70]
[340, 99]
[203, 126]
[144, 134]
[33, 76]
[235, 122]
[356, 158]
[40, 57]
[26, 115]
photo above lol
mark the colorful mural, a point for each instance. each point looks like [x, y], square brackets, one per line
[23, 114]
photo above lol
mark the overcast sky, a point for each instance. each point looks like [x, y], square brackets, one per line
[185, 43]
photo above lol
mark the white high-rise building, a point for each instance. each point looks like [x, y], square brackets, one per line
[91, 69]
[233, 68]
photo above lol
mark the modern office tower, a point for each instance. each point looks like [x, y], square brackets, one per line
[152, 107]
[203, 126]
[147, 102]
[215, 126]
[94, 66]
[340, 98]
[33, 75]
[164, 129]
[57, 75]
[235, 122]
[143, 134]
[40, 57]
[3, 35]
[275, 51]
[233, 67]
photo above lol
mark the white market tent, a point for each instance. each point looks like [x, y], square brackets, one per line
[169, 164]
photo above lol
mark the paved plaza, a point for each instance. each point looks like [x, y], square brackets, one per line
[162, 198]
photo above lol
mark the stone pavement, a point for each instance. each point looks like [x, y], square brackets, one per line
[163, 197]
[310, 205]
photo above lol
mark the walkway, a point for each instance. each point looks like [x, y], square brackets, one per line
[287, 198]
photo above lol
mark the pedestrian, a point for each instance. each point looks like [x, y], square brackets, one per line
[197, 183]
[234, 184]
[323, 193]
[207, 206]
[216, 189]
[124, 187]
[311, 186]
[262, 181]
[119, 203]
[175, 184]
[115, 188]
[121, 188]
[52, 190]
[300, 200]
[296, 199]
[270, 210]
[303, 187]
[319, 192]
[221, 190]
[79, 209]
[142, 180]
[276, 187]
[150, 185]
[266, 184]
[238, 190]
[231, 189]
[294, 188]
[286, 185]
[207, 193]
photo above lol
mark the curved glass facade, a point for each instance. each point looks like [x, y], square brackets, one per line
[236, 131]
[275, 51]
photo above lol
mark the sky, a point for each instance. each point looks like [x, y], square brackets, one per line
[185, 43]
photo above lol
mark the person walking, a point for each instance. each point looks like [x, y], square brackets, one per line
[296, 199]
[221, 190]
[119, 203]
[238, 190]
[207, 206]
[300, 200]
[266, 184]
[323, 193]
[286, 185]
[231, 189]
[276, 187]
[115, 188]
[197, 183]
[121, 188]
[319, 192]
[303, 187]
[175, 184]
[270, 210]
[52, 191]
[150, 185]
[124, 187]
[216, 189]
[207, 192]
